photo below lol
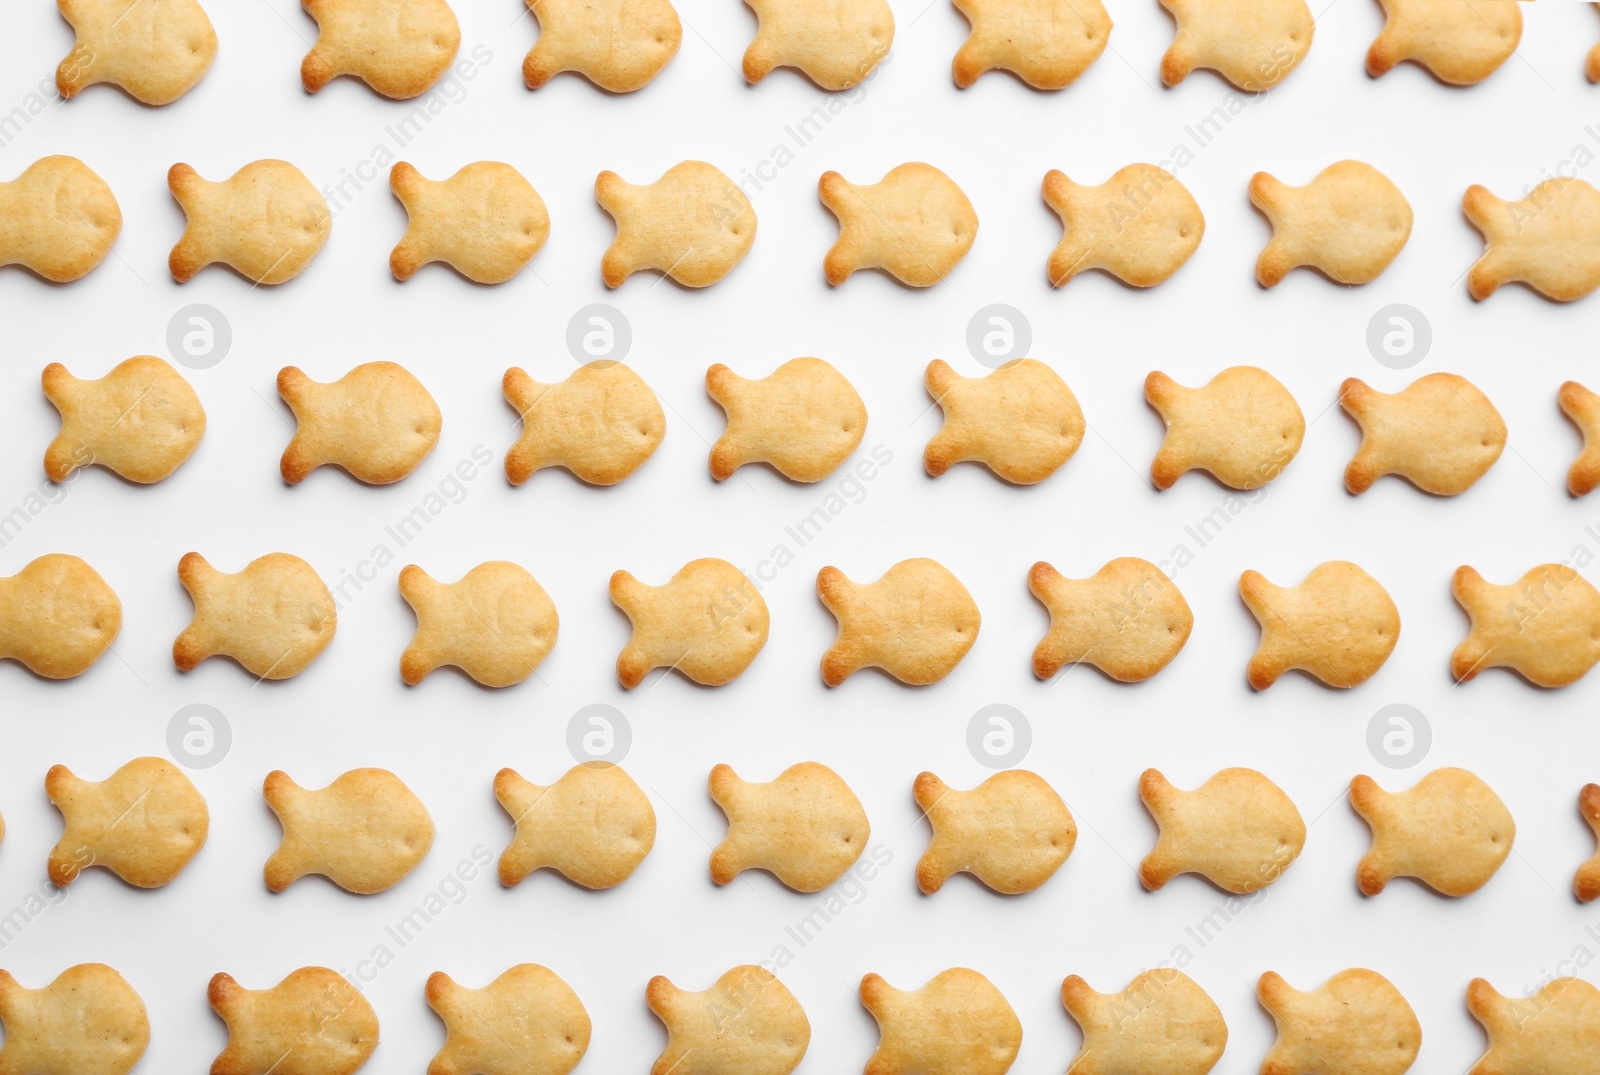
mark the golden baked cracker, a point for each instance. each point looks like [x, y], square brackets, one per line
[364, 832]
[747, 1023]
[1021, 421]
[957, 1024]
[1549, 240]
[376, 422]
[915, 622]
[525, 1022]
[88, 1021]
[275, 617]
[1012, 832]
[1339, 624]
[143, 823]
[495, 623]
[1440, 433]
[141, 420]
[693, 224]
[398, 47]
[1348, 223]
[593, 826]
[803, 418]
[156, 50]
[1238, 830]
[1450, 831]
[708, 622]
[266, 222]
[1556, 1031]
[1161, 1024]
[836, 43]
[1591, 66]
[1545, 626]
[1242, 426]
[1127, 619]
[314, 1022]
[1586, 882]
[619, 45]
[1355, 1023]
[806, 827]
[57, 616]
[1046, 43]
[914, 223]
[486, 221]
[1140, 225]
[1583, 407]
[601, 423]
[57, 219]
[1460, 41]
[1253, 45]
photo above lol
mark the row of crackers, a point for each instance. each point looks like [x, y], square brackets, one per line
[621, 45]
[806, 827]
[529, 1021]
[709, 621]
[367, 831]
[378, 423]
[694, 225]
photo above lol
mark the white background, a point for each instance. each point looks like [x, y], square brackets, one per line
[1091, 737]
